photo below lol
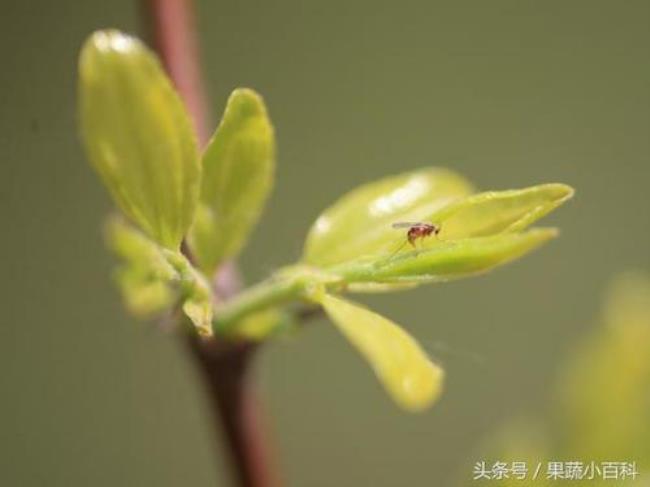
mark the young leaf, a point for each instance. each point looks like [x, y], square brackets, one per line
[499, 211]
[153, 279]
[359, 223]
[144, 276]
[145, 298]
[238, 167]
[408, 375]
[369, 287]
[608, 376]
[195, 291]
[445, 261]
[138, 135]
[264, 324]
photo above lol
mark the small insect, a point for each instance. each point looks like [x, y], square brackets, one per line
[416, 230]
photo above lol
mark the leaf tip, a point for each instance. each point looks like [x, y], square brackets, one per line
[247, 102]
[420, 392]
[105, 42]
[560, 192]
[543, 234]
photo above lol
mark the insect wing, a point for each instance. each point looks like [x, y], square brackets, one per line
[405, 224]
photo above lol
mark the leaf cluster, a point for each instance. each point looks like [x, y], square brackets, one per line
[186, 212]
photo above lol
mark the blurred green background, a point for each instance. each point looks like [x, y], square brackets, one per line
[509, 93]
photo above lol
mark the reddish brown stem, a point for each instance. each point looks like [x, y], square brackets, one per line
[172, 28]
[224, 366]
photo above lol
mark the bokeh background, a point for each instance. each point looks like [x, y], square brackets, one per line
[509, 93]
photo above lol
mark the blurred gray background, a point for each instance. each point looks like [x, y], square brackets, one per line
[509, 93]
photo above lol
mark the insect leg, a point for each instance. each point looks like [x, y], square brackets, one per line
[401, 246]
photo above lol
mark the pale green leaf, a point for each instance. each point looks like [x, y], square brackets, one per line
[446, 260]
[195, 291]
[238, 167]
[261, 325]
[144, 297]
[378, 287]
[132, 246]
[401, 365]
[608, 377]
[603, 398]
[198, 308]
[154, 279]
[359, 224]
[138, 135]
[144, 275]
[499, 211]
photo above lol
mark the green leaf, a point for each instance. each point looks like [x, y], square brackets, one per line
[499, 211]
[238, 167]
[445, 261]
[263, 325]
[153, 279]
[196, 293]
[144, 276]
[608, 376]
[359, 224]
[379, 287]
[138, 135]
[144, 298]
[401, 365]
